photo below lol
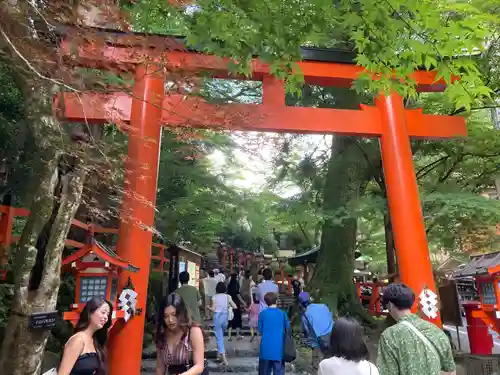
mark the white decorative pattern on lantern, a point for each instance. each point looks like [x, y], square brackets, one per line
[429, 303]
[127, 303]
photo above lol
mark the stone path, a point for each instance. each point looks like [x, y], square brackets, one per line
[243, 358]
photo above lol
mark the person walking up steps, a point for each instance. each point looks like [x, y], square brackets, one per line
[191, 296]
[253, 317]
[233, 289]
[272, 324]
[221, 303]
[267, 286]
[210, 283]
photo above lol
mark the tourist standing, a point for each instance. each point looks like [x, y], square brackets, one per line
[209, 283]
[85, 351]
[317, 324]
[221, 303]
[272, 324]
[191, 296]
[348, 353]
[296, 287]
[233, 289]
[179, 341]
[412, 346]
[266, 286]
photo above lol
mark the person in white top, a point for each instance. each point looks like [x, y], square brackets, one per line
[348, 350]
[209, 284]
[221, 303]
[219, 276]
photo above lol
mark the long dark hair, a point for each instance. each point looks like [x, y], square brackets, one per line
[100, 336]
[182, 315]
[347, 341]
[233, 287]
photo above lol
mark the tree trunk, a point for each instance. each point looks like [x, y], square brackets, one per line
[389, 245]
[333, 273]
[57, 197]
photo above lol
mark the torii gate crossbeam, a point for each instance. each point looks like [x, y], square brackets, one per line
[150, 108]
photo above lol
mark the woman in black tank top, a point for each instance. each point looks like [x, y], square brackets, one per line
[84, 353]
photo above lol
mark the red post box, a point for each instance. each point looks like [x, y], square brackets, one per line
[480, 340]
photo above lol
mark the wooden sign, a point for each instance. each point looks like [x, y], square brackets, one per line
[450, 304]
[43, 320]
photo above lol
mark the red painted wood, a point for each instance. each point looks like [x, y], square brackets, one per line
[179, 110]
[99, 54]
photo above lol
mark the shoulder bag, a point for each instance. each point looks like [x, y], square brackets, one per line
[289, 351]
[230, 312]
[323, 341]
[422, 338]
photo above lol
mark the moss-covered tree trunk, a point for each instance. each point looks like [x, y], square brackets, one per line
[37, 257]
[22, 349]
[333, 273]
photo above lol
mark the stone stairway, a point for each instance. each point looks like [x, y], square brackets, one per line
[243, 355]
[243, 358]
[210, 262]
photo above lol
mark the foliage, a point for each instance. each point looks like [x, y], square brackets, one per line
[392, 38]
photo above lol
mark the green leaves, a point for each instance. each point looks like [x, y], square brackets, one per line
[392, 38]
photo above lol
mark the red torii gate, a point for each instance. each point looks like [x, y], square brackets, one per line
[149, 108]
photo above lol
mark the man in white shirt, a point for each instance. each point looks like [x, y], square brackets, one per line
[219, 276]
[266, 286]
[209, 284]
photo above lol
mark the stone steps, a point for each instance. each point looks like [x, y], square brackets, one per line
[243, 358]
[235, 348]
[247, 365]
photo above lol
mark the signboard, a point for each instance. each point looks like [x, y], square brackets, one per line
[197, 276]
[450, 304]
[191, 268]
[43, 320]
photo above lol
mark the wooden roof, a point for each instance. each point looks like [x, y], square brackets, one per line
[103, 252]
[483, 264]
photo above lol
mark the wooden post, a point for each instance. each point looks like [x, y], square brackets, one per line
[402, 194]
[137, 214]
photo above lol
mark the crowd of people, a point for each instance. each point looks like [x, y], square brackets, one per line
[411, 346]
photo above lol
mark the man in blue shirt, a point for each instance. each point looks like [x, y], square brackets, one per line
[317, 324]
[272, 324]
[267, 286]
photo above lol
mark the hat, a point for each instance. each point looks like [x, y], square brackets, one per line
[304, 297]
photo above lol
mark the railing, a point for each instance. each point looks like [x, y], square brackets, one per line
[373, 299]
[9, 213]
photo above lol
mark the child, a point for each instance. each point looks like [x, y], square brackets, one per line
[272, 323]
[254, 316]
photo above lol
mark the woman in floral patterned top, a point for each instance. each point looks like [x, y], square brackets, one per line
[179, 341]
[412, 346]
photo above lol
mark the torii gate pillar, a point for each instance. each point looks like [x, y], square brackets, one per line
[137, 213]
[402, 194]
